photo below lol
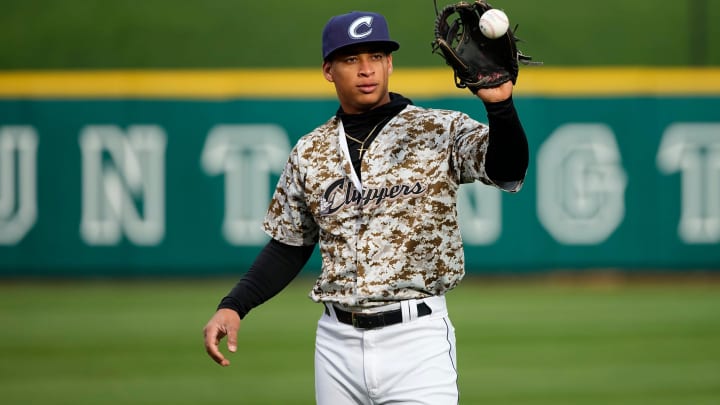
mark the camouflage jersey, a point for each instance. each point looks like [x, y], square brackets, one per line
[396, 236]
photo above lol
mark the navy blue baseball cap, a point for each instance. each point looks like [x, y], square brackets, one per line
[357, 27]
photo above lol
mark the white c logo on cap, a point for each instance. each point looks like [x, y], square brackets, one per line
[355, 26]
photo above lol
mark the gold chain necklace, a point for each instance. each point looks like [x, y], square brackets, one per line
[362, 149]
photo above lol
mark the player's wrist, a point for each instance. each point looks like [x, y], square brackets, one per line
[230, 303]
[500, 108]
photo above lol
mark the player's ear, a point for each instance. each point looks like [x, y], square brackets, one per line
[327, 67]
[390, 65]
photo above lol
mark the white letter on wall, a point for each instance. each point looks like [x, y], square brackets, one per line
[123, 174]
[18, 182]
[694, 150]
[247, 155]
[479, 213]
[581, 184]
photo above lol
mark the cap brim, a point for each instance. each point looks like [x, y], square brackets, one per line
[388, 46]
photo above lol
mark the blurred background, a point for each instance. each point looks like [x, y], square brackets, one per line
[90, 34]
[140, 143]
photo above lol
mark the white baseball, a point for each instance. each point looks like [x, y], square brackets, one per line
[494, 23]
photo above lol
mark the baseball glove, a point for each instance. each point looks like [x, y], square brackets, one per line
[479, 62]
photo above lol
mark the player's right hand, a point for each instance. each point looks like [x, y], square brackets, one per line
[225, 322]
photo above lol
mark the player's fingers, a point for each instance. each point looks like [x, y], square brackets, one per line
[212, 340]
[232, 339]
[230, 324]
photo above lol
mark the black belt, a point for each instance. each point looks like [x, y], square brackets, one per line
[362, 320]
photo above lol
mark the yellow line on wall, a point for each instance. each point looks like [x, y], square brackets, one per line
[309, 83]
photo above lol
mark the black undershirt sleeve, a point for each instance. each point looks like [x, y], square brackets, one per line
[273, 269]
[507, 156]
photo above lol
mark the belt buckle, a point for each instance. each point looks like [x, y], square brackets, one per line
[353, 319]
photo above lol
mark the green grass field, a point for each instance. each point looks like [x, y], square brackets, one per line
[140, 342]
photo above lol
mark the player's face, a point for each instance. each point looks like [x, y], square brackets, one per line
[361, 78]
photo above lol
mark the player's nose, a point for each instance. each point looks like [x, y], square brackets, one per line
[365, 66]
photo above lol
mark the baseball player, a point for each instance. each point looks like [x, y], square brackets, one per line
[375, 188]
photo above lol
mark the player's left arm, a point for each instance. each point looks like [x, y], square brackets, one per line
[507, 156]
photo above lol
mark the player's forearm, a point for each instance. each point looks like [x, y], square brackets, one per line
[507, 156]
[273, 269]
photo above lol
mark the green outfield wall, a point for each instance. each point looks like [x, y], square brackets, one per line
[131, 175]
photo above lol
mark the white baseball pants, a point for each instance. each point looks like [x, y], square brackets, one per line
[413, 362]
